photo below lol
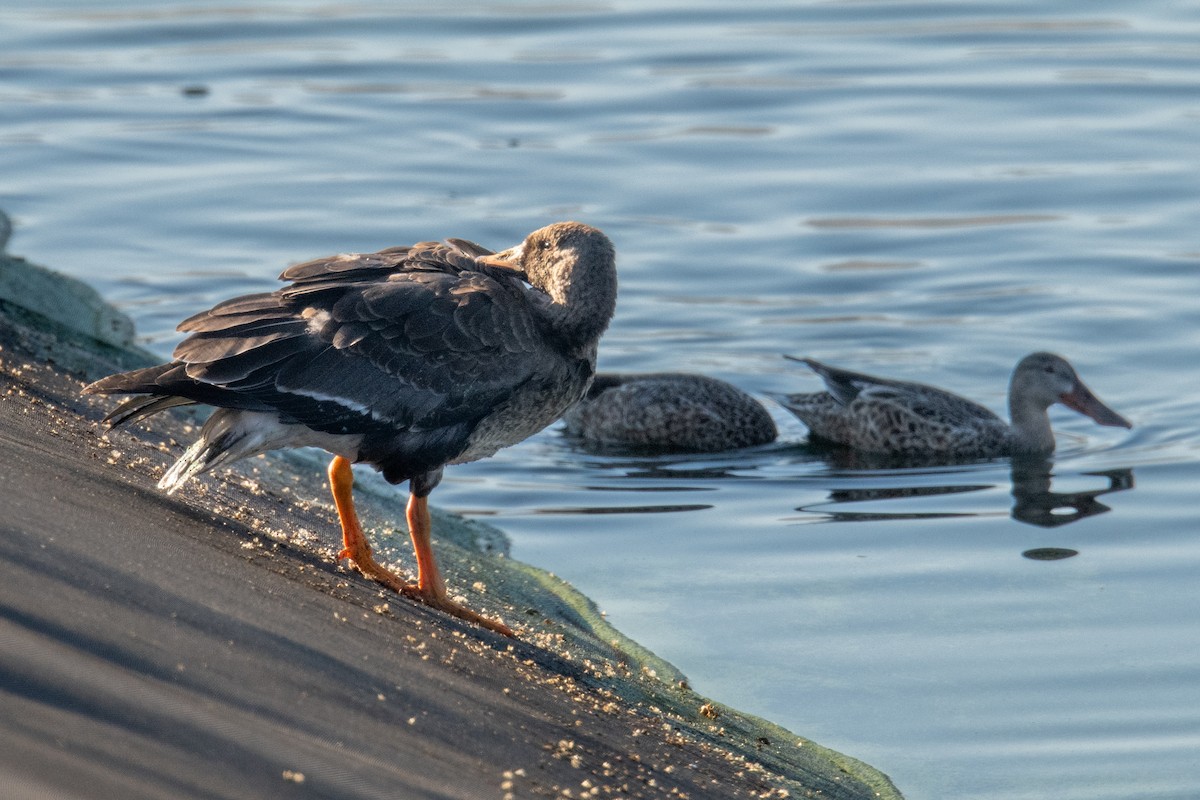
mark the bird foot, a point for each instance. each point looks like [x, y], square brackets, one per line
[445, 604]
[431, 597]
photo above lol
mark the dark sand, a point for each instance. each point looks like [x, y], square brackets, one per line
[209, 646]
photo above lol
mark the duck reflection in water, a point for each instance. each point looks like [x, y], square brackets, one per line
[1035, 504]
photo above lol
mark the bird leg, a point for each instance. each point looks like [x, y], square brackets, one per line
[430, 588]
[354, 543]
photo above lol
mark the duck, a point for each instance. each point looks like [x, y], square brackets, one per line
[668, 412]
[408, 360]
[890, 417]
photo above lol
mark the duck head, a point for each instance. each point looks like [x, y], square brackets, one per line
[1042, 379]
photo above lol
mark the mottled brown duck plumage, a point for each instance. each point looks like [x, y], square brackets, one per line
[878, 415]
[669, 412]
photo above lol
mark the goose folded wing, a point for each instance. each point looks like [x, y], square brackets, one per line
[453, 256]
[420, 350]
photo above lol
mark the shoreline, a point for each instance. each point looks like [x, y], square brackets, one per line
[209, 645]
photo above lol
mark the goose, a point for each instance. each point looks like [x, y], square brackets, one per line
[409, 359]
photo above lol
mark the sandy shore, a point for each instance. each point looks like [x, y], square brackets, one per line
[210, 646]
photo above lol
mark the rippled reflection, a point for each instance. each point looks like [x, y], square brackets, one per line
[648, 509]
[877, 493]
[1035, 504]
[898, 488]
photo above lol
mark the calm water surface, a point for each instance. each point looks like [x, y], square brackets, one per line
[929, 190]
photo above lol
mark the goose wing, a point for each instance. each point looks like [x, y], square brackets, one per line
[413, 338]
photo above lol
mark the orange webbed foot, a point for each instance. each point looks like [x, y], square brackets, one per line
[429, 588]
[445, 604]
[428, 595]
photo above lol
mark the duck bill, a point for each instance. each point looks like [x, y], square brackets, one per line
[1082, 400]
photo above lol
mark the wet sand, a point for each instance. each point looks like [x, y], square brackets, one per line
[208, 645]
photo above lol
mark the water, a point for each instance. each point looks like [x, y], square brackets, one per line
[923, 190]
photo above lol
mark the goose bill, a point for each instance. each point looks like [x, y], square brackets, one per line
[507, 259]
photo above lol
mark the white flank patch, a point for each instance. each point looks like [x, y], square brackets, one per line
[341, 401]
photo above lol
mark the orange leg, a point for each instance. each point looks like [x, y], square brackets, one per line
[354, 543]
[430, 588]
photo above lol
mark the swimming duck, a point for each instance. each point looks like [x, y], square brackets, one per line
[408, 359]
[669, 412]
[878, 415]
